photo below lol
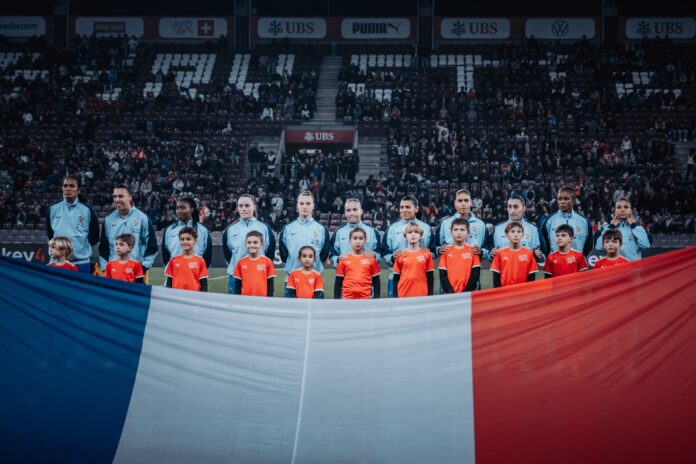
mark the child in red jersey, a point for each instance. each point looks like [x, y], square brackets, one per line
[459, 266]
[413, 270]
[124, 268]
[357, 274]
[565, 260]
[60, 249]
[305, 282]
[611, 241]
[513, 264]
[188, 270]
[254, 273]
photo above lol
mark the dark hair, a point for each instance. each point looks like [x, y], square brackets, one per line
[412, 199]
[128, 239]
[612, 234]
[517, 197]
[307, 247]
[512, 225]
[189, 230]
[567, 188]
[567, 228]
[255, 233]
[460, 222]
[195, 215]
[124, 187]
[355, 231]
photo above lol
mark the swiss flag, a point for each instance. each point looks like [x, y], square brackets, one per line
[206, 28]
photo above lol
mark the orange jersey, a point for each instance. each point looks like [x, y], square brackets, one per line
[459, 262]
[186, 273]
[558, 264]
[128, 271]
[413, 267]
[254, 274]
[305, 284]
[606, 262]
[357, 272]
[68, 266]
[514, 266]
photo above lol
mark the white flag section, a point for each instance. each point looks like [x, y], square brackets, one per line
[244, 379]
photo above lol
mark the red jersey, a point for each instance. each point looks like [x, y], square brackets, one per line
[128, 271]
[357, 273]
[254, 274]
[606, 262]
[305, 284]
[186, 273]
[413, 267]
[68, 266]
[514, 266]
[558, 264]
[459, 262]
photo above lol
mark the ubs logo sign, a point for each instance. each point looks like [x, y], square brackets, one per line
[318, 136]
[560, 28]
[277, 28]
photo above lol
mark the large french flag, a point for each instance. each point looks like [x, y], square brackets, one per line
[592, 368]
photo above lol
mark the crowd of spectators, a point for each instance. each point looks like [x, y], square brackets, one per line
[519, 131]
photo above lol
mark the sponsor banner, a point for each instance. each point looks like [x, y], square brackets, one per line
[650, 28]
[34, 253]
[475, 28]
[376, 28]
[291, 28]
[319, 136]
[110, 26]
[560, 28]
[192, 28]
[22, 26]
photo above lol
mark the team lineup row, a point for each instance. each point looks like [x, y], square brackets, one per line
[75, 220]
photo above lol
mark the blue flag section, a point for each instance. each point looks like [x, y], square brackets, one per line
[69, 351]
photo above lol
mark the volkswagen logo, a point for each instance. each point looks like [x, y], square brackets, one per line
[560, 28]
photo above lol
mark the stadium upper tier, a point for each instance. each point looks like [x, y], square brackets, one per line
[170, 119]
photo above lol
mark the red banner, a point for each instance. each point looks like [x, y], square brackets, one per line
[311, 136]
[591, 367]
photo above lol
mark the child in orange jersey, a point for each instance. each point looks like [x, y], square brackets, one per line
[459, 266]
[513, 264]
[611, 241]
[124, 268]
[254, 273]
[60, 249]
[357, 275]
[565, 260]
[188, 270]
[413, 270]
[305, 282]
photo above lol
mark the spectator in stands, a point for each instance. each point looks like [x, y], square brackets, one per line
[73, 218]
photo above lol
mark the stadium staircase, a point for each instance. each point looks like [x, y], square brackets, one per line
[373, 156]
[327, 90]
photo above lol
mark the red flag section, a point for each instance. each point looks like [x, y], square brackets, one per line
[598, 367]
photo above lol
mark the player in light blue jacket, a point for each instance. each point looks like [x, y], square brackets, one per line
[187, 215]
[234, 237]
[582, 228]
[477, 228]
[127, 219]
[340, 243]
[394, 241]
[635, 237]
[304, 231]
[497, 239]
[74, 219]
